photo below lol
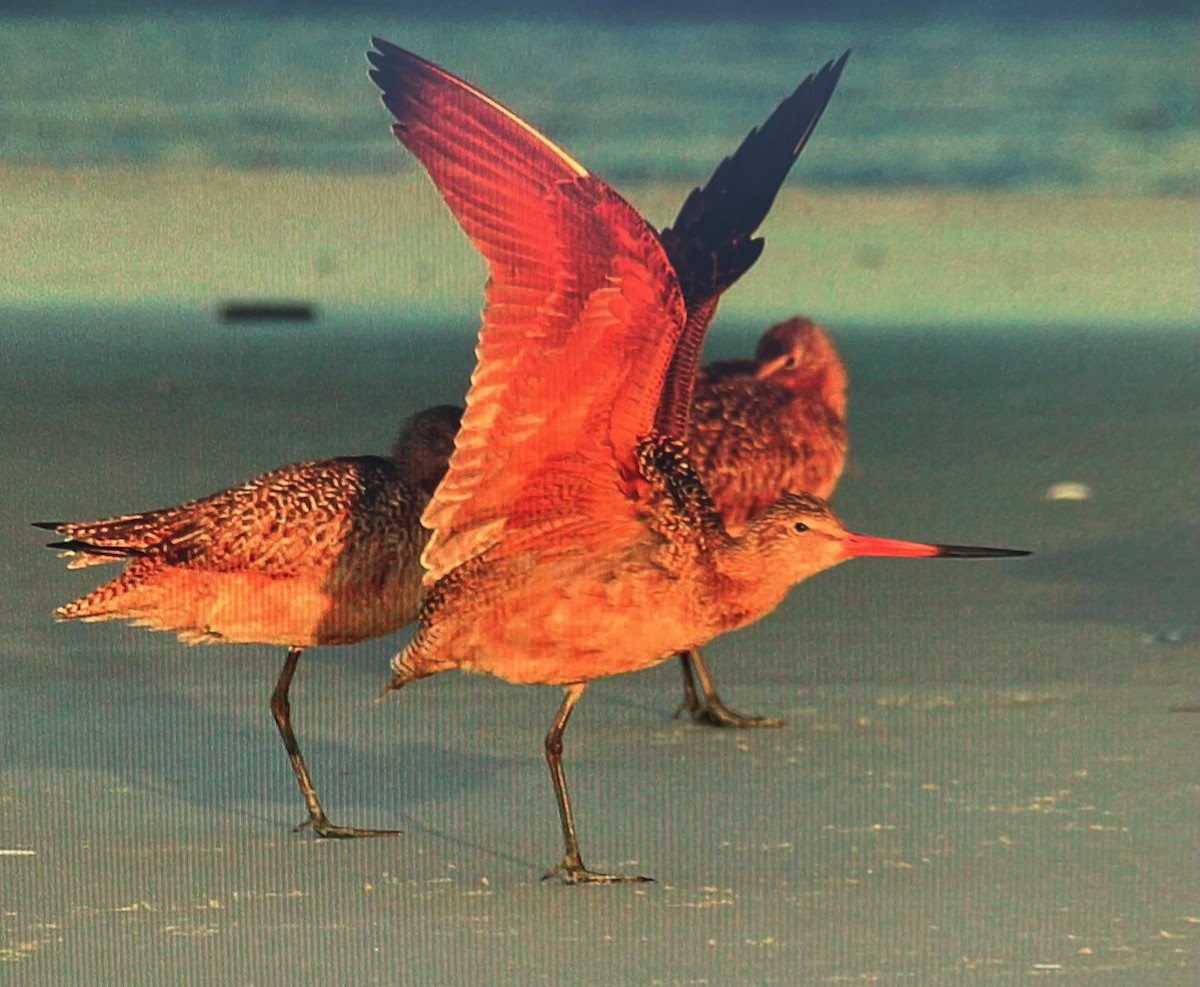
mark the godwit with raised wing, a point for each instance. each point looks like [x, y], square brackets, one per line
[710, 245]
[308, 554]
[571, 538]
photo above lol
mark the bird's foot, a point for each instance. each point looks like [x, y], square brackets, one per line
[323, 828]
[572, 871]
[712, 712]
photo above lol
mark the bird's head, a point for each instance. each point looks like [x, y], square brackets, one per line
[425, 443]
[799, 536]
[799, 355]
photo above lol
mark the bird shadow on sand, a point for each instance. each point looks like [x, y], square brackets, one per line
[216, 754]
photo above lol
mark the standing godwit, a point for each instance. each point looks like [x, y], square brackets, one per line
[571, 538]
[313, 553]
[710, 245]
[759, 429]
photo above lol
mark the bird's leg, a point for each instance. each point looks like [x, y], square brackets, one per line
[571, 869]
[711, 711]
[691, 700]
[281, 709]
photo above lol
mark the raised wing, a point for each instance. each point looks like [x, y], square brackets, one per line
[711, 243]
[582, 316]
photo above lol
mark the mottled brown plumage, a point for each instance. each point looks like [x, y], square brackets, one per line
[309, 554]
[772, 425]
[711, 242]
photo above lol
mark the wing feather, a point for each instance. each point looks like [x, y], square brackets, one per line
[582, 315]
[712, 244]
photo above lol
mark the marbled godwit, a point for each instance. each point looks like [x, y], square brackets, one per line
[313, 553]
[759, 429]
[710, 245]
[571, 539]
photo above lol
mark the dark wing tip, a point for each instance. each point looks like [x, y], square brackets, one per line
[385, 49]
[390, 62]
[377, 55]
[706, 242]
[977, 552]
[396, 71]
[49, 525]
[99, 551]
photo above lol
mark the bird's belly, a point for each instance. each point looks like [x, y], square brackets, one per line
[254, 608]
[554, 632]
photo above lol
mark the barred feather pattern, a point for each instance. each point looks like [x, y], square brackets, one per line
[689, 512]
[321, 552]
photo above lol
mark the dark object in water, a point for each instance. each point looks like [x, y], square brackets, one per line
[263, 311]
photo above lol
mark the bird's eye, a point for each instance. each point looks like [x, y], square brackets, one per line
[799, 526]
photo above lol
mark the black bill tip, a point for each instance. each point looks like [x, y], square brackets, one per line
[976, 552]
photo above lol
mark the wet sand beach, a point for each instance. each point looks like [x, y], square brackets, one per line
[980, 779]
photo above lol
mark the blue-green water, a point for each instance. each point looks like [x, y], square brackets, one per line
[1071, 105]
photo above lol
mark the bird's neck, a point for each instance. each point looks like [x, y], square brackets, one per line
[743, 587]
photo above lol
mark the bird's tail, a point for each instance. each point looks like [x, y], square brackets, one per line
[84, 553]
[140, 596]
[110, 539]
[411, 664]
[107, 602]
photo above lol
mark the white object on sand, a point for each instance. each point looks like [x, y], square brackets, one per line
[1069, 490]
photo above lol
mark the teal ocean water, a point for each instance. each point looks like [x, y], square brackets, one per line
[1073, 105]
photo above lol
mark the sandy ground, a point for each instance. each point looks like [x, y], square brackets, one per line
[981, 779]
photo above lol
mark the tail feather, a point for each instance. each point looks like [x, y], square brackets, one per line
[137, 531]
[82, 553]
[81, 610]
[138, 596]
[116, 538]
[97, 605]
[111, 601]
